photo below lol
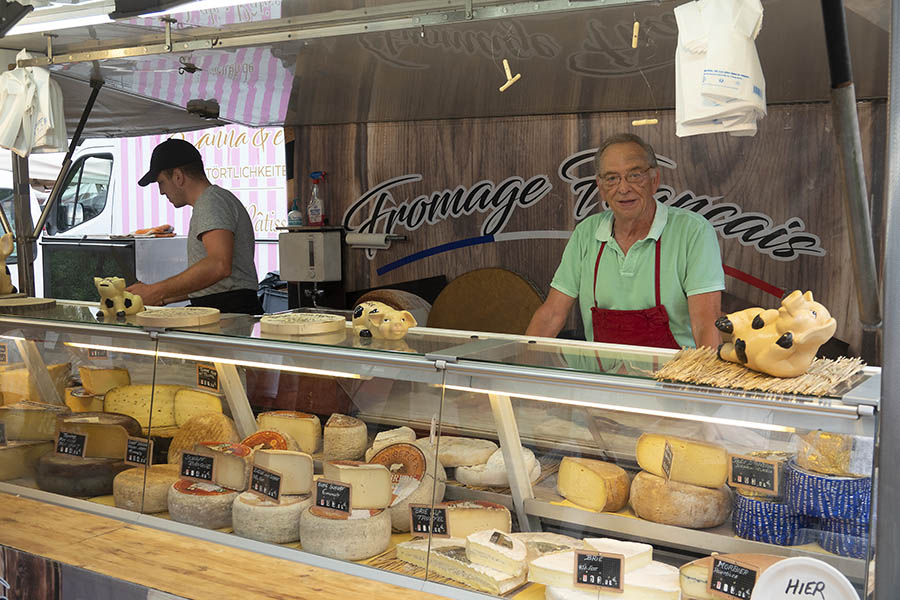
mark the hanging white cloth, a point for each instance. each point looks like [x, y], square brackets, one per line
[32, 117]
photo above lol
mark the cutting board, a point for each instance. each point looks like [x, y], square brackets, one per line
[182, 316]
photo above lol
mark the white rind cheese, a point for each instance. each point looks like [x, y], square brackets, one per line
[265, 520]
[303, 427]
[134, 401]
[201, 428]
[494, 471]
[465, 517]
[693, 462]
[342, 538]
[296, 469]
[371, 482]
[201, 504]
[345, 438]
[190, 403]
[463, 452]
[99, 380]
[17, 459]
[383, 439]
[131, 493]
[680, 504]
[31, 421]
[636, 555]
[448, 559]
[497, 550]
[593, 483]
[541, 543]
[656, 581]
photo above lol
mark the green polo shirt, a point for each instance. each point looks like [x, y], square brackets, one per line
[690, 263]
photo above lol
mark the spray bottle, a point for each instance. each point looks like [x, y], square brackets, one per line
[314, 211]
[295, 217]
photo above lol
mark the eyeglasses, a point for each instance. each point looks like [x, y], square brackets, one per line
[614, 179]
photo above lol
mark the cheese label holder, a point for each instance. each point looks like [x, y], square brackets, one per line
[730, 579]
[501, 540]
[138, 451]
[198, 467]
[753, 474]
[4, 354]
[423, 520]
[265, 483]
[668, 455]
[97, 353]
[334, 496]
[207, 377]
[71, 444]
[602, 570]
[2, 433]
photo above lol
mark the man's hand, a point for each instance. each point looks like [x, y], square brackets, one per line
[151, 294]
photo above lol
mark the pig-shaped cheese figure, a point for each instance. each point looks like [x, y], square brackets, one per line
[780, 342]
[115, 302]
[380, 321]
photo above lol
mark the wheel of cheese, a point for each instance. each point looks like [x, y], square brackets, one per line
[494, 471]
[463, 451]
[302, 324]
[345, 438]
[681, 504]
[181, 316]
[845, 538]
[135, 400]
[190, 403]
[269, 439]
[210, 427]
[363, 535]
[592, 483]
[265, 520]
[828, 496]
[770, 520]
[416, 477]
[75, 476]
[107, 433]
[31, 421]
[201, 504]
[78, 400]
[384, 439]
[132, 493]
[18, 459]
[697, 463]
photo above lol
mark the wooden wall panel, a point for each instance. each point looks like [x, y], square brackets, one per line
[789, 170]
[28, 576]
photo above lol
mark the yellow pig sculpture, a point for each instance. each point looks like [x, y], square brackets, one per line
[780, 342]
[380, 321]
[115, 302]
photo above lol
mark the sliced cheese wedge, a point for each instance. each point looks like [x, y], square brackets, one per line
[593, 483]
[305, 428]
[693, 462]
[371, 483]
[296, 469]
[497, 550]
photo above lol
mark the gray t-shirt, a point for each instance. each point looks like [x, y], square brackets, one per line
[217, 208]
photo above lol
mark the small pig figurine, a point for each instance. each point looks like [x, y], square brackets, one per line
[780, 342]
[7, 244]
[114, 300]
[380, 321]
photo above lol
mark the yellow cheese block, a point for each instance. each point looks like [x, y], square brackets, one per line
[31, 421]
[99, 380]
[80, 401]
[16, 385]
[134, 401]
[107, 433]
[697, 463]
[17, 459]
[190, 403]
[593, 483]
[305, 428]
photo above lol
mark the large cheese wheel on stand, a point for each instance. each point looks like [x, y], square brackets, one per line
[76, 476]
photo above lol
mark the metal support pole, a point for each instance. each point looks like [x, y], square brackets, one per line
[856, 206]
[25, 248]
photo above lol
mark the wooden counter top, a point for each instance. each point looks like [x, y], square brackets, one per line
[176, 564]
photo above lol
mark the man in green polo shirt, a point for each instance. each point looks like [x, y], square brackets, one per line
[643, 273]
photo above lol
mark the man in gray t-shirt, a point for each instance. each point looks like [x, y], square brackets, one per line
[220, 272]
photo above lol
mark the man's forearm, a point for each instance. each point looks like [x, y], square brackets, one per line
[198, 276]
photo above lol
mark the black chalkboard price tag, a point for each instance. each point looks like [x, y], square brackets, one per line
[601, 570]
[2, 433]
[668, 455]
[138, 451]
[71, 444]
[753, 474]
[207, 377]
[97, 353]
[266, 483]
[729, 579]
[4, 354]
[198, 467]
[502, 540]
[334, 496]
[422, 520]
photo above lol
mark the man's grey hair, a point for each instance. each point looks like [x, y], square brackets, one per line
[625, 138]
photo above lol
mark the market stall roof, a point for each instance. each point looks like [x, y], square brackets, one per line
[329, 61]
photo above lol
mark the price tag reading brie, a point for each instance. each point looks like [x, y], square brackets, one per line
[599, 571]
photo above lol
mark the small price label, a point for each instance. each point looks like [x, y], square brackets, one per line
[97, 353]
[198, 467]
[423, 519]
[138, 451]
[334, 495]
[71, 444]
[207, 377]
[754, 474]
[668, 455]
[2, 433]
[4, 354]
[501, 539]
[265, 483]
[599, 570]
[729, 579]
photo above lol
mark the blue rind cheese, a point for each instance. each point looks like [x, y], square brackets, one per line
[846, 538]
[764, 519]
[828, 497]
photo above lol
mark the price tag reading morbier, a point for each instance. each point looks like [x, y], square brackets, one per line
[138, 451]
[728, 579]
[334, 496]
[207, 377]
[4, 354]
[97, 353]
[198, 467]
[71, 444]
[599, 570]
[2, 433]
[265, 483]
[422, 520]
[667, 460]
[754, 474]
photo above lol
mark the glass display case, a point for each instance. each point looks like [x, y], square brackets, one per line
[464, 461]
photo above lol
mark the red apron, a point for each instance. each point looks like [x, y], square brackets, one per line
[644, 327]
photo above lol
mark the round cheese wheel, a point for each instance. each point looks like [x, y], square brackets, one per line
[270, 439]
[680, 504]
[131, 492]
[828, 496]
[416, 477]
[345, 438]
[302, 323]
[80, 400]
[767, 519]
[265, 520]
[179, 316]
[76, 476]
[208, 427]
[363, 535]
[201, 504]
[463, 452]
[845, 538]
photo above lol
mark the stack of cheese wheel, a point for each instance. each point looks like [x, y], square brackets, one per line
[345, 438]
[830, 480]
[695, 494]
[416, 478]
[145, 490]
[201, 504]
[494, 472]
[767, 518]
[593, 484]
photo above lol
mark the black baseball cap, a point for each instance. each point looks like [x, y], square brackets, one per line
[168, 155]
